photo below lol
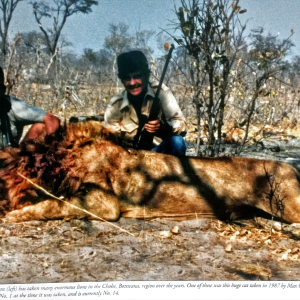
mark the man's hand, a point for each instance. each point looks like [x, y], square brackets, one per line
[38, 131]
[152, 126]
[51, 123]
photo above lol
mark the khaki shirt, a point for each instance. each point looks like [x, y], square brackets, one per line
[120, 116]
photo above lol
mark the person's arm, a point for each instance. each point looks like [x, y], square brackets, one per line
[51, 122]
[112, 119]
[42, 122]
[174, 121]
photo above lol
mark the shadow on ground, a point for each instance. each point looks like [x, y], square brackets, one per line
[204, 249]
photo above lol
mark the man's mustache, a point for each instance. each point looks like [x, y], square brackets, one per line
[134, 86]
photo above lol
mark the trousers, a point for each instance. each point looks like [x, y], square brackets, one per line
[174, 145]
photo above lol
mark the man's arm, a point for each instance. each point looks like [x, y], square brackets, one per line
[39, 130]
[113, 115]
[51, 122]
[174, 118]
[111, 120]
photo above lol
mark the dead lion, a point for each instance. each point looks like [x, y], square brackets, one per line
[110, 181]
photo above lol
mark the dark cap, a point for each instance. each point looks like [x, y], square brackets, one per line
[132, 61]
[2, 79]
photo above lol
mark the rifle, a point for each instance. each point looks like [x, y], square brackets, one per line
[6, 139]
[144, 140]
[99, 118]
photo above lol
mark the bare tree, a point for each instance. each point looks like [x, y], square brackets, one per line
[264, 64]
[119, 39]
[117, 42]
[212, 35]
[7, 7]
[13, 73]
[59, 11]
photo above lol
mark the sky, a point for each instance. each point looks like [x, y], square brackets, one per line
[90, 30]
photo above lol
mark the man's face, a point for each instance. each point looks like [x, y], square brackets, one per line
[134, 83]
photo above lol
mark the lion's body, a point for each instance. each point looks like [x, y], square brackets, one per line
[111, 181]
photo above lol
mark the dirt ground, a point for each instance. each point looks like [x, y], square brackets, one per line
[202, 249]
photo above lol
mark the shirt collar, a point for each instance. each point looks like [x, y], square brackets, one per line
[125, 102]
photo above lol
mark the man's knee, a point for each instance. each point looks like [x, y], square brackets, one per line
[177, 145]
[174, 145]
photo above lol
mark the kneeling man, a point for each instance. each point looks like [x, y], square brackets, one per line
[125, 111]
[15, 114]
